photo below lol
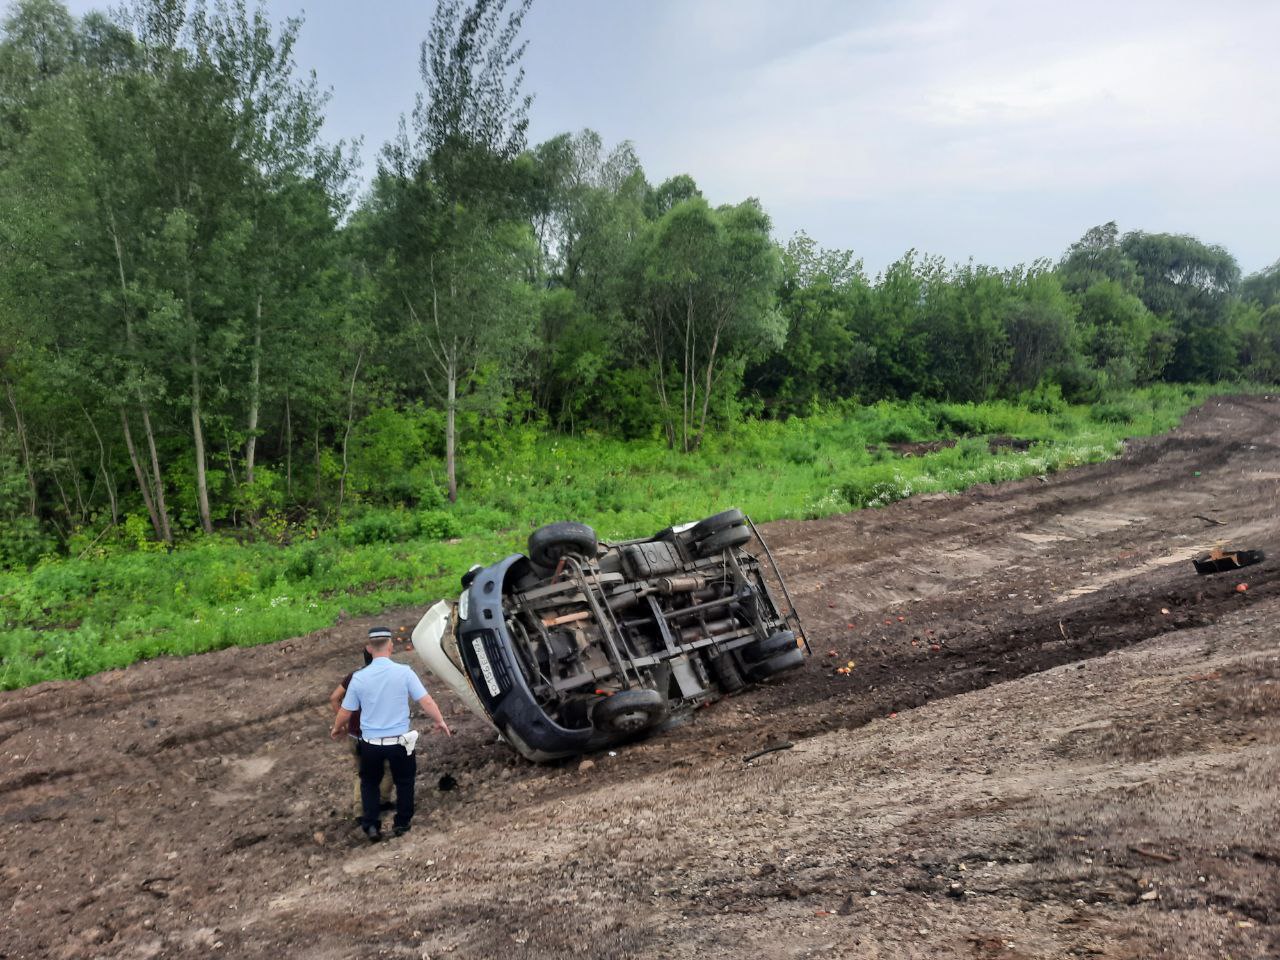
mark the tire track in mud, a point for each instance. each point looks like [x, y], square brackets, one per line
[217, 668]
[135, 761]
[976, 535]
[1211, 452]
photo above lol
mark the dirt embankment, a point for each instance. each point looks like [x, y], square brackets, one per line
[1056, 741]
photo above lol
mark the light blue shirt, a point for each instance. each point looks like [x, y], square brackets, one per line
[381, 692]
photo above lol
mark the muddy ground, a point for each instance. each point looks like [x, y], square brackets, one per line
[1056, 741]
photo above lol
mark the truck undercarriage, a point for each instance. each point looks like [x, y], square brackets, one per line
[582, 645]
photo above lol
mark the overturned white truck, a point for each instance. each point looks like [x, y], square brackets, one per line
[581, 645]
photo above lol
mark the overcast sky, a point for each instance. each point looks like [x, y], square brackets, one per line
[994, 130]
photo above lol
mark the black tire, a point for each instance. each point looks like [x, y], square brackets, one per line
[629, 712]
[725, 672]
[726, 539]
[715, 523]
[761, 650]
[547, 545]
[778, 664]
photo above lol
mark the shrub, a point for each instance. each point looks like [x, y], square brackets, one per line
[1113, 411]
[378, 526]
[305, 562]
[436, 525]
[966, 420]
[23, 542]
[1047, 398]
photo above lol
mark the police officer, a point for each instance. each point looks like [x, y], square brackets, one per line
[353, 738]
[381, 692]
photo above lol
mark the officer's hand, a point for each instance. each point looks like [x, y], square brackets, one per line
[444, 728]
[335, 733]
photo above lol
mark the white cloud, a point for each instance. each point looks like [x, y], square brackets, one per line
[997, 99]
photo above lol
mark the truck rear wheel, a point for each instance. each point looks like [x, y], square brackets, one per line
[725, 539]
[549, 544]
[629, 712]
[762, 650]
[725, 672]
[780, 663]
[717, 522]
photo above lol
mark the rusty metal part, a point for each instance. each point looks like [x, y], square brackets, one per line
[566, 618]
[607, 622]
[684, 584]
[708, 629]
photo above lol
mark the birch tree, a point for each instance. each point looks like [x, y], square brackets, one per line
[705, 306]
[447, 211]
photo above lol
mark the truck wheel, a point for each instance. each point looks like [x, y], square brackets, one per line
[761, 650]
[716, 522]
[788, 660]
[629, 712]
[547, 545]
[725, 539]
[725, 672]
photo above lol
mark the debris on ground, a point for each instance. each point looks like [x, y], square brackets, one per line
[785, 745]
[1218, 560]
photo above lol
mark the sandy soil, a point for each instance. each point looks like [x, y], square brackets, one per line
[1057, 741]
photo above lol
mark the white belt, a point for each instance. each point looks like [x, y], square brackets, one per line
[407, 740]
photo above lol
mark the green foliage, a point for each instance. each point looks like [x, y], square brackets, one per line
[393, 453]
[70, 617]
[1191, 283]
[1263, 287]
[24, 541]
[1047, 398]
[705, 281]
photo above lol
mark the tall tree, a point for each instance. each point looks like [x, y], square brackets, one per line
[1121, 337]
[448, 208]
[588, 212]
[1097, 256]
[824, 358]
[706, 306]
[1191, 283]
[1039, 321]
[1263, 287]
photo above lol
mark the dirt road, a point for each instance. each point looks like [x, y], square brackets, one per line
[1056, 741]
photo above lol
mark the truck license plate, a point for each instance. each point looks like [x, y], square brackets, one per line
[486, 668]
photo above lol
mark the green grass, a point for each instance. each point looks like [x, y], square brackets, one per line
[68, 618]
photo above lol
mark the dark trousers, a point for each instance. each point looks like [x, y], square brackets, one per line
[374, 758]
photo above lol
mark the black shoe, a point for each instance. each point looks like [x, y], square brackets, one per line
[373, 832]
[399, 831]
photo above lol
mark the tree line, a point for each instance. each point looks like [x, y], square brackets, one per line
[203, 323]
